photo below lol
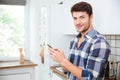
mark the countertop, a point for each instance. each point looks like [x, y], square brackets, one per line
[16, 64]
[57, 71]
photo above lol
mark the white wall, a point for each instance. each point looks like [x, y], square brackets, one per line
[105, 15]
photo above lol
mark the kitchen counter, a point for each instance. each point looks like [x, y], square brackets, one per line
[13, 70]
[57, 70]
[15, 64]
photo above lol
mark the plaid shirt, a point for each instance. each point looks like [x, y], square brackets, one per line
[92, 56]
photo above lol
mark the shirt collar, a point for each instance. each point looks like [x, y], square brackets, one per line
[91, 33]
[88, 35]
[79, 35]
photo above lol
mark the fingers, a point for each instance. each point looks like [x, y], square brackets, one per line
[55, 51]
[58, 50]
[52, 51]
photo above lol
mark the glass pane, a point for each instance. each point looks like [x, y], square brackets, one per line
[11, 30]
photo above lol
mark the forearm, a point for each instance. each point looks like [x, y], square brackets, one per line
[76, 71]
[65, 69]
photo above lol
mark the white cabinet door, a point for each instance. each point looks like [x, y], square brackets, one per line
[25, 76]
[22, 73]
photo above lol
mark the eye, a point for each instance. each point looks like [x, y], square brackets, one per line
[82, 17]
[74, 18]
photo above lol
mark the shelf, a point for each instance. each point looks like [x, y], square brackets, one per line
[15, 64]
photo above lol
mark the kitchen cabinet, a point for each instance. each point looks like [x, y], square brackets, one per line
[16, 76]
[16, 71]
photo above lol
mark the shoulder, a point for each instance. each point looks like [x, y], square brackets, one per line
[99, 38]
[100, 42]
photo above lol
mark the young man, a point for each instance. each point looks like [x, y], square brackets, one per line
[89, 51]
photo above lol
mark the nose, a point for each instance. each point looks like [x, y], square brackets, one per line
[78, 21]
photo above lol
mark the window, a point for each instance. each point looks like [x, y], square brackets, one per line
[12, 29]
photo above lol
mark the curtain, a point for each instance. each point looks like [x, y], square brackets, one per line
[13, 2]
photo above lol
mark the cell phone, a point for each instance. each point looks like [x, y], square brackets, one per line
[49, 46]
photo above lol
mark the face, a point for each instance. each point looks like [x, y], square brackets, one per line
[82, 21]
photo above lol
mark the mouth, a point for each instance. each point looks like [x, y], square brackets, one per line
[79, 26]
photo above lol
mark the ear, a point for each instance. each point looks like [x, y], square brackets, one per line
[91, 18]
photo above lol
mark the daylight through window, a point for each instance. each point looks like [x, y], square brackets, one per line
[11, 30]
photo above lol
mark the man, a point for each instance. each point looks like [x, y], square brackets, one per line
[89, 51]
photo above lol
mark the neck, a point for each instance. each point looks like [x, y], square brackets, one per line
[84, 33]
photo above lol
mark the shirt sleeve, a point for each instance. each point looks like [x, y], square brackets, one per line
[97, 60]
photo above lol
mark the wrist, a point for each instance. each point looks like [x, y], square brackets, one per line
[64, 62]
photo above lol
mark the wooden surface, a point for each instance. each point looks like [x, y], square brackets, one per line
[109, 79]
[15, 64]
[58, 72]
[64, 77]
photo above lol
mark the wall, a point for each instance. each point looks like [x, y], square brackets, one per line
[105, 15]
[114, 41]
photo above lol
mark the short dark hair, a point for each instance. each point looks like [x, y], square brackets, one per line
[82, 6]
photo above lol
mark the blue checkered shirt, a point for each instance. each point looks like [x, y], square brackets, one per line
[92, 56]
